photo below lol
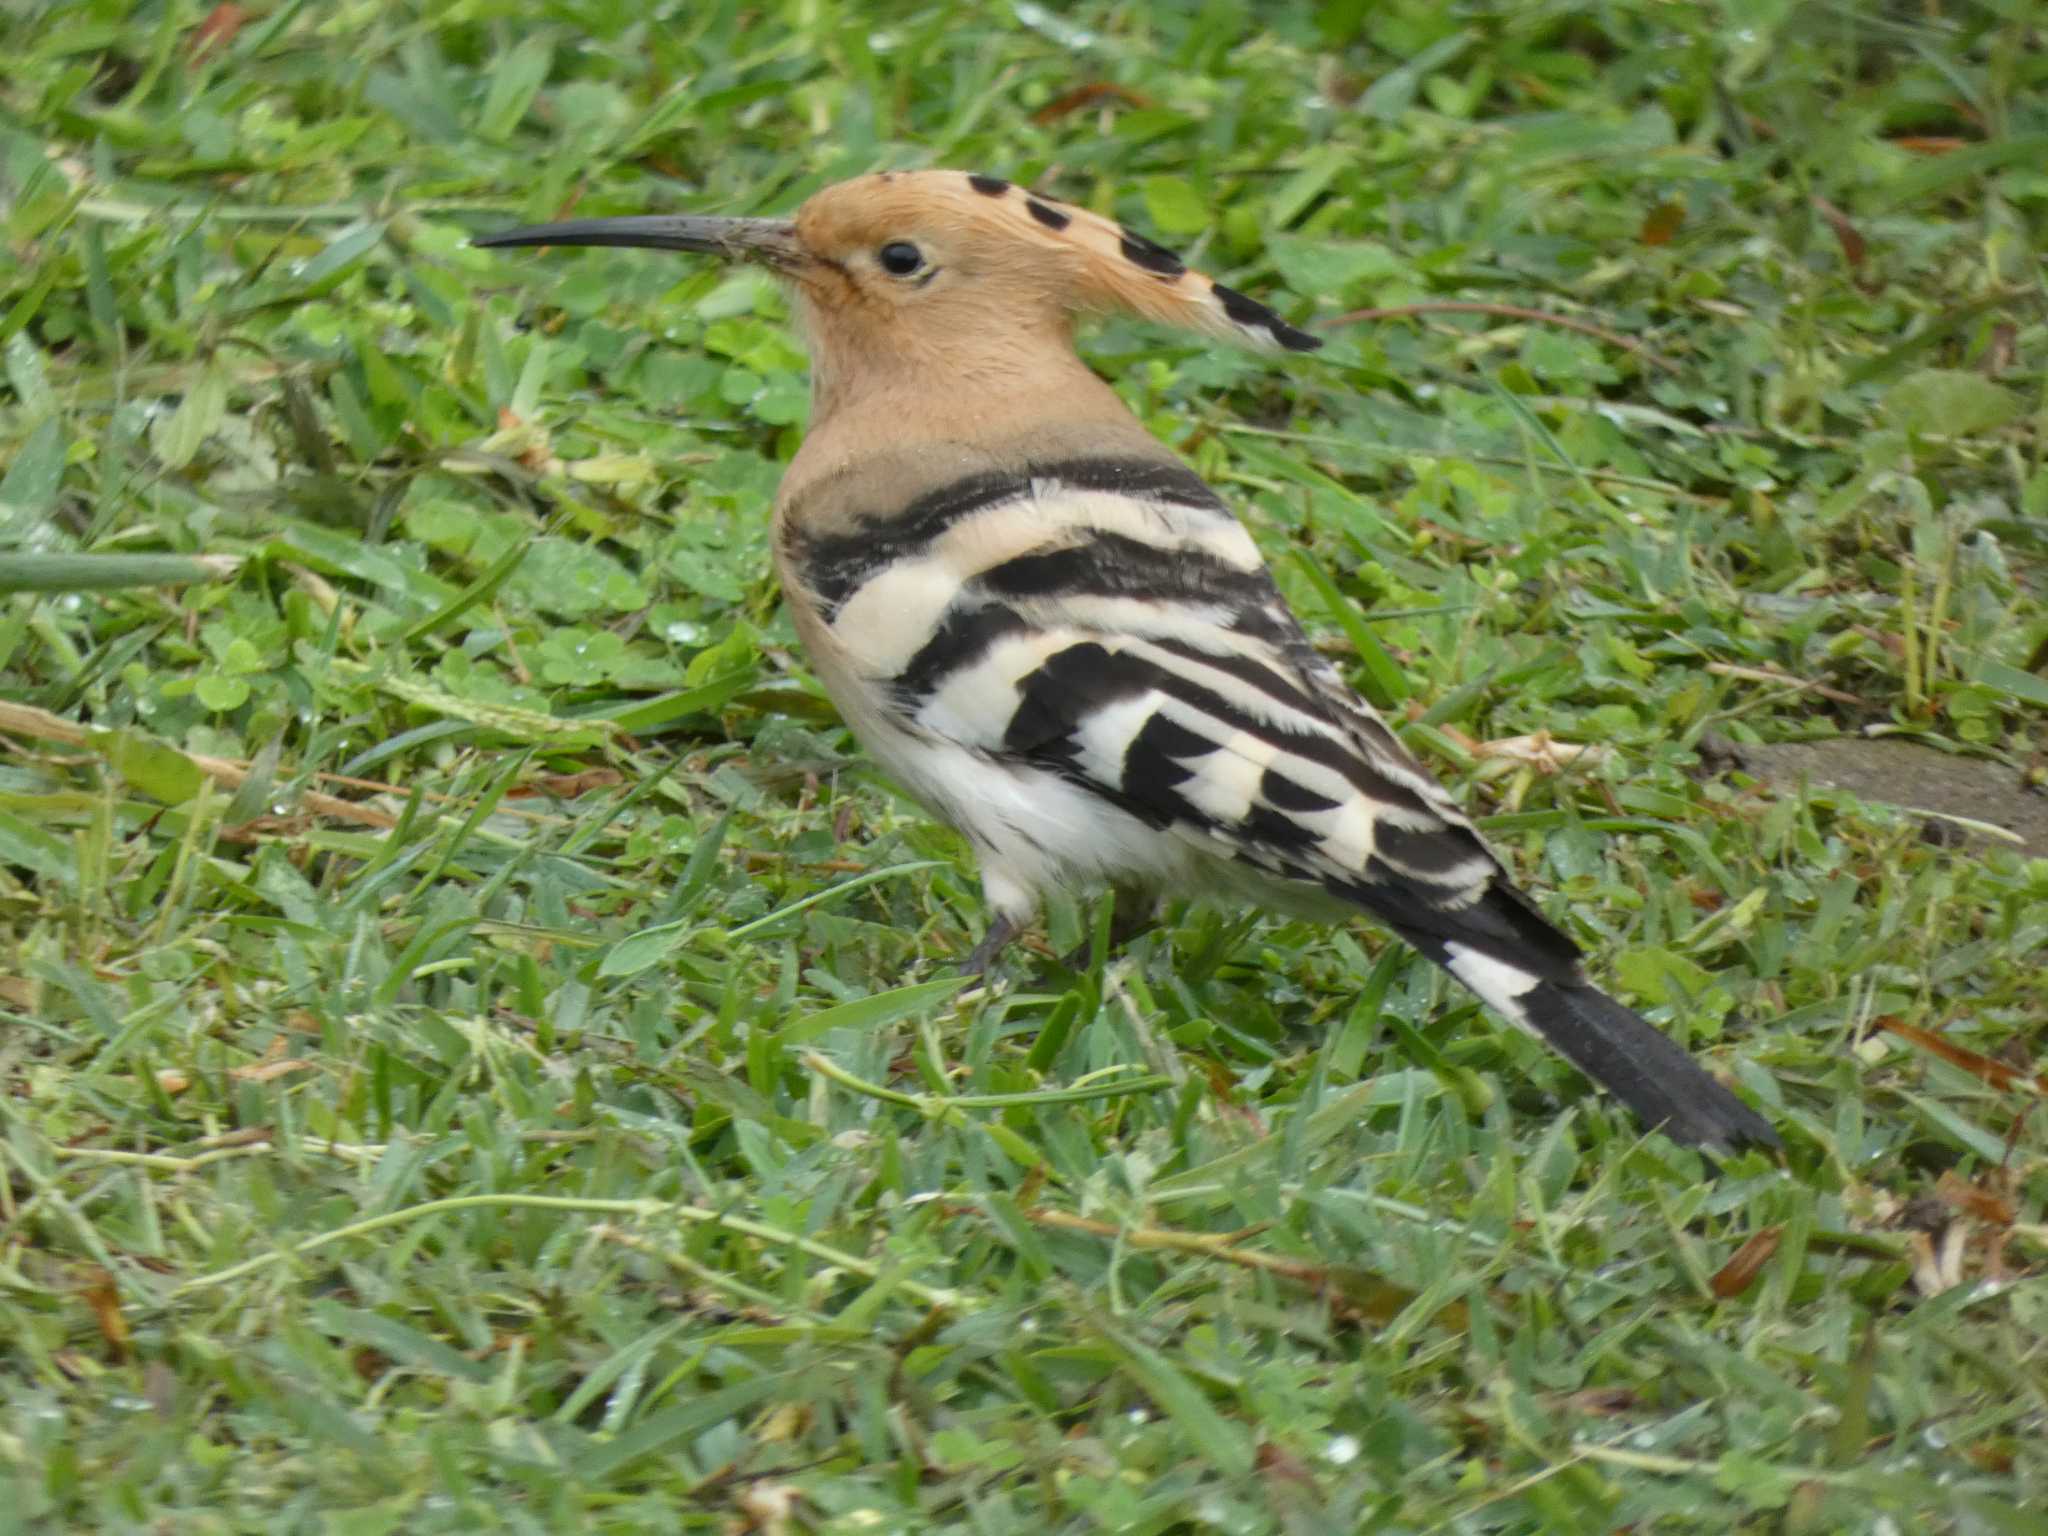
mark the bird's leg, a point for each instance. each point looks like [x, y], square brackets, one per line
[1133, 915]
[1001, 929]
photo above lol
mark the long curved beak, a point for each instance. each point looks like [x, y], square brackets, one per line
[772, 242]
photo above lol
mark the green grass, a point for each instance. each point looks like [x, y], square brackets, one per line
[479, 1049]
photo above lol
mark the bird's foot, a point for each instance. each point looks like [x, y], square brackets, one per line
[1001, 930]
[1131, 919]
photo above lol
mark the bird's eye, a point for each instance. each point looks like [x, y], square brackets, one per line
[900, 258]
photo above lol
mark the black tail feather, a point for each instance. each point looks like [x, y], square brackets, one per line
[1642, 1066]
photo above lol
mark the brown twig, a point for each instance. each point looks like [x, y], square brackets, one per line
[1505, 312]
[1785, 680]
[1354, 1294]
[41, 725]
[1204, 1244]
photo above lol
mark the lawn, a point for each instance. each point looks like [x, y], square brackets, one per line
[483, 1052]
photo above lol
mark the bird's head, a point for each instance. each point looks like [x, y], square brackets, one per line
[946, 257]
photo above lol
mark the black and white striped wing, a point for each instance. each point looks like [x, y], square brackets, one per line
[1110, 621]
[1206, 711]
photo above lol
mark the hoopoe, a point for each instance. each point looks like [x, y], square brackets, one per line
[1063, 643]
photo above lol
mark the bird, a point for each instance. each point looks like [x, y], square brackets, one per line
[1042, 623]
